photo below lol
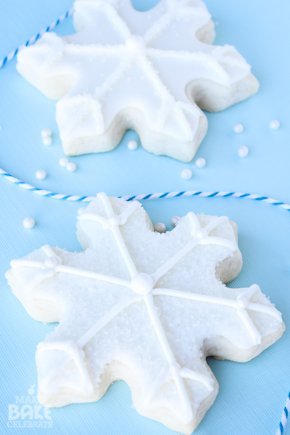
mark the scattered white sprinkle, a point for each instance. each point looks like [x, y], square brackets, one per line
[132, 145]
[40, 174]
[274, 125]
[47, 141]
[243, 151]
[186, 174]
[71, 166]
[200, 163]
[174, 221]
[46, 132]
[159, 227]
[28, 223]
[81, 210]
[238, 128]
[63, 162]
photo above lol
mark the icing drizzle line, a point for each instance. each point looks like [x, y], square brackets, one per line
[144, 288]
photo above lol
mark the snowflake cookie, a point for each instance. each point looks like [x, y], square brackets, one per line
[148, 71]
[144, 307]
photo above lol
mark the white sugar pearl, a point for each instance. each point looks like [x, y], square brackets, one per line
[186, 174]
[135, 44]
[243, 302]
[40, 174]
[200, 234]
[114, 221]
[132, 145]
[142, 283]
[51, 262]
[63, 162]
[200, 163]
[81, 210]
[46, 132]
[47, 141]
[159, 227]
[174, 369]
[174, 221]
[243, 151]
[29, 223]
[274, 125]
[238, 128]
[71, 166]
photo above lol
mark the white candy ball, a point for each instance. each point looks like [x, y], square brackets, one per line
[186, 174]
[243, 151]
[40, 174]
[174, 369]
[114, 220]
[135, 44]
[51, 262]
[200, 234]
[274, 125]
[63, 162]
[238, 128]
[71, 166]
[28, 223]
[47, 141]
[81, 210]
[46, 132]
[200, 163]
[243, 302]
[174, 221]
[132, 145]
[159, 227]
[142, 283]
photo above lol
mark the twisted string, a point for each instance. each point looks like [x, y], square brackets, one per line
[34, 38]
[140, 197]
[61, 196]
[284, 417]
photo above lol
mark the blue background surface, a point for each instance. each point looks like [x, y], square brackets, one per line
[252, 395]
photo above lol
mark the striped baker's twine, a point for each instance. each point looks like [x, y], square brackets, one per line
[34, 38]
[284, 417]
[63, 196]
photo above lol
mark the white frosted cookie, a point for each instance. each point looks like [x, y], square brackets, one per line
[144, 307]
[147, 71]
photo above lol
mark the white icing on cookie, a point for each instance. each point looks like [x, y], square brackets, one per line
[122, 300]
[151, 62]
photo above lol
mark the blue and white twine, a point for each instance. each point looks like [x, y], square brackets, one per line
[284, 417]
[144, 196]
[34, 38]
[62, 196]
